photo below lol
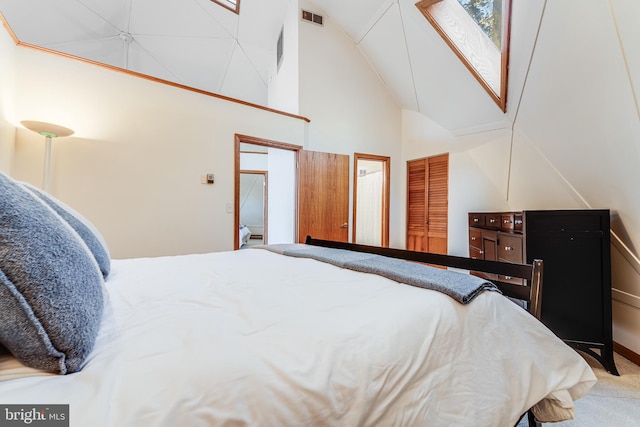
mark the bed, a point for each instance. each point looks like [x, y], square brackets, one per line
[245, 234]
[304, 337]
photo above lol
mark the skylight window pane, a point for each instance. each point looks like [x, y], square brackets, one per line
[232, 5]
[478, 33]
[488, 15]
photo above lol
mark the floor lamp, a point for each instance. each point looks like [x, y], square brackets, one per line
[49, 131]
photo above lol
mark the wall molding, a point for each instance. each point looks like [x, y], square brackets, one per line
[625, 352]
[625, 297]
[625, 251]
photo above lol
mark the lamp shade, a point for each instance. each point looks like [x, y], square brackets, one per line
[47, 129]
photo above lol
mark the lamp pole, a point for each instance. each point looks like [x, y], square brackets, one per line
[47, 162]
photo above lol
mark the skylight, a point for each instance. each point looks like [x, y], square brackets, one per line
[232, 5]
[488, 15]
[478, 33]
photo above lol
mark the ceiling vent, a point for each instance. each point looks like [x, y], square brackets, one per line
[312, 17]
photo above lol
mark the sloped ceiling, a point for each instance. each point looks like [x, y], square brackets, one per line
[199, 44]
[196, 43]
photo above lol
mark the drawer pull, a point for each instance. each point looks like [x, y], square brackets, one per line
[508, 248]
[476, 219]
[481, 252]
[518, 221]
[492, 220]
[507, 221]
[508, 277]
[473, 238]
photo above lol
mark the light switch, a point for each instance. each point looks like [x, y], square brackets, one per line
[207, 178]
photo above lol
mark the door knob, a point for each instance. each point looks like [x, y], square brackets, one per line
[345, 225]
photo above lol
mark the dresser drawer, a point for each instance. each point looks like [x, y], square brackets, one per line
[510, 248]
[476, 220]
[507, 221]
[475, 253]
[518, 222]
[492, 220]
[567, 221]
[475, 238]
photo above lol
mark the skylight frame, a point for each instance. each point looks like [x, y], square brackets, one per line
[489, 70]
[232, 5]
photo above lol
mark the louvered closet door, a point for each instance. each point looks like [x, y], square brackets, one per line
[428, 204]
[417, 205]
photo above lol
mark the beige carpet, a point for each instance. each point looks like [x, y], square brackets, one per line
[613, 402]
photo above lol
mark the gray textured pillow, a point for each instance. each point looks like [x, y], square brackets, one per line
[51, 288]
[87, 231]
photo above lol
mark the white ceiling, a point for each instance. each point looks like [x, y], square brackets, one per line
[203, 45]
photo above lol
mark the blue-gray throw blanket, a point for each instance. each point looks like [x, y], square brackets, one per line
[459, 286]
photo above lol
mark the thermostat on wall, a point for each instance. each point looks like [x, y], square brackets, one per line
[206, 178]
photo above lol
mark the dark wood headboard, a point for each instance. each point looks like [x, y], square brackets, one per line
[530, 291]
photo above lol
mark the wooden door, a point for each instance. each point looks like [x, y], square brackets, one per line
[417, 205]
[323, 203]
[428, 204]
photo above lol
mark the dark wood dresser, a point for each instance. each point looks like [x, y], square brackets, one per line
[574, 246]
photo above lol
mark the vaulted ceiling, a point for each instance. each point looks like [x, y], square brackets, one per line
[200, 44]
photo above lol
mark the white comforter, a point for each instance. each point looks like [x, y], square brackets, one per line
[187, 341]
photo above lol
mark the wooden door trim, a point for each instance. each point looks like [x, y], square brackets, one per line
[385, 193]
[265, 201]
[239, 139]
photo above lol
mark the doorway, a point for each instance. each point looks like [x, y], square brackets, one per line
[371, 199]
[254, 203]
[277, 161]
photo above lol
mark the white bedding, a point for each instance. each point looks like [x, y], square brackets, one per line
[245, 234]
[187, 341]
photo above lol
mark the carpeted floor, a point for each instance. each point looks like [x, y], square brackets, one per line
[613, 402]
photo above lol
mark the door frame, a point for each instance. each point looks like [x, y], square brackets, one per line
[265, 202]
[239, 139]
[386, 170]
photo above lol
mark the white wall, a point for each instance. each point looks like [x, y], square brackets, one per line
[253, 161]
[282, 196]
[283, 82]
[349, 107]
[133, 165]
